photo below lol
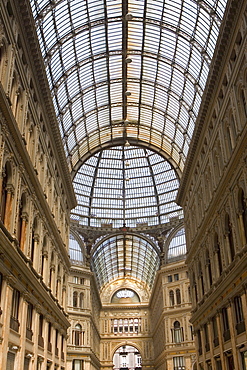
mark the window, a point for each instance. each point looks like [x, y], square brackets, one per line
[206, 336]
[78, 335]
[177, 333]
[199, 339]
[75, 280]
[81, 299]
[229, 236]
[75, 298]
[77, 364]
[14, 323]
[218, 253]
[178, 296]
[178, 363]
[29, 332]
[171, 295]
[226, 329]
[240, 325]
[176, 277]
[243, 211]
[201, 279]
[169, 278]
[209, 269]
[215, 332]
[49, 345]
[40, 336]
[244, 359]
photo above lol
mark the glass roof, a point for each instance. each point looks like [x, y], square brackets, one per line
[124, 256]
[142, 64]
[126, 185]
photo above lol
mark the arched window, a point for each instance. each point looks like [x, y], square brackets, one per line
[178, 296]
[243, 211]
[229, 236]
[209, 269]
[218, 253]
[171, 295]
[78, 335]
[6, 194]
[75, 299]
[201, 278]
[194, 286]
[177, 333]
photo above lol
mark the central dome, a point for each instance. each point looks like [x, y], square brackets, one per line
[126, 186]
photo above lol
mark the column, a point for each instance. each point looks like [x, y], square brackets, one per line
[5, 323]
[24, 223]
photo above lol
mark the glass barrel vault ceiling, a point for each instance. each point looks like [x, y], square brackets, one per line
[124, 256]
[142, 62]
[126, 185]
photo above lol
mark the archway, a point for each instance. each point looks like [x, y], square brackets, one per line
[127, 358]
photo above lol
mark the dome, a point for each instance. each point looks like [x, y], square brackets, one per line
[126, 186]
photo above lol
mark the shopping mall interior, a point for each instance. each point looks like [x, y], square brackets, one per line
[123, 184]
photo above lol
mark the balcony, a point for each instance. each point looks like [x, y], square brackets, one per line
[41, 341]
[226, 335]
[49, 346]
[240, 327]
[29, 333]
[216, 341]
[14, 324]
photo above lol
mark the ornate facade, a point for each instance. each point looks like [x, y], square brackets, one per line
[107, 286]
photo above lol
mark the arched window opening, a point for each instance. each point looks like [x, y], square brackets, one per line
[229, 236]
[195, 287]
[243, 211]
[78, 335]
[209, 269]
[177, 333]
[127, 357]
[171, 296]
[6, 195]
[33, 241]
[75, 299]
[201, 279]
[218, 253]
[243, 100]
[178, 296]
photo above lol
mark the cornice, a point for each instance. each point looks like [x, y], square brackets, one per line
[23, 11]
[221, 55]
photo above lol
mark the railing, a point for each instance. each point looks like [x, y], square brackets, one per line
[14, 324]
[240, 327]
[29, 333]
[226, 335]
[49, 346]
[40, 341]
[216, 341]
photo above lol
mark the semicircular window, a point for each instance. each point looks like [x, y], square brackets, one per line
[129, 186]
[124, 296]
[124, 256]
[177, 247]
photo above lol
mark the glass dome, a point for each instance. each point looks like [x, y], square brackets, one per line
[126, 185]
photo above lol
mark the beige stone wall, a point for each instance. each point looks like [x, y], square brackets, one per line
[214, 201]
[35, 201]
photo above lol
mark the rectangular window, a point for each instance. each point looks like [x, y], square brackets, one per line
[169, 278]
[77, 364]
[176, 277]
[178, 363]
[244, 359]
[14, 323]
[207, 346]
[215, 332]
[226, 328]
[240, 325]
[10, 361]
[29, 332]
